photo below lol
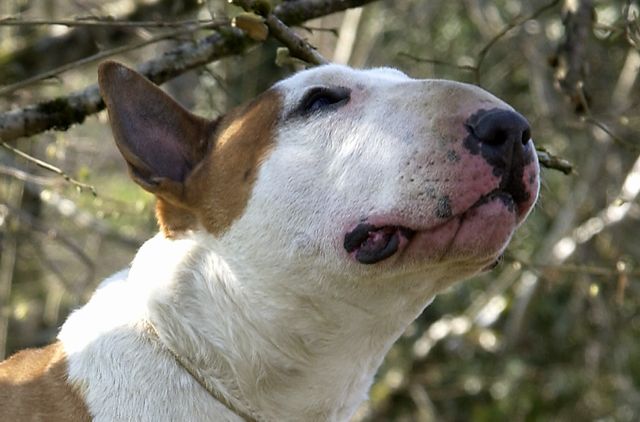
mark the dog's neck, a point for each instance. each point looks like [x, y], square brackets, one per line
[275, 348]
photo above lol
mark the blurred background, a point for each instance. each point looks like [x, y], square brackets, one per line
[553, 333]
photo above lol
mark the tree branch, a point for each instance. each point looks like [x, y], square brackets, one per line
[62, 112]
[42, 164]
[297, 46]
[550, 161]
[53, 51]
[108, 53]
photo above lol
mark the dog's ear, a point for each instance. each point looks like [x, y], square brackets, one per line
[160, 140]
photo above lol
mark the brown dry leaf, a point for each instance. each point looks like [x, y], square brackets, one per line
[253, 25]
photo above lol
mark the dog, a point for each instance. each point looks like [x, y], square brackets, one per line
[300, 234]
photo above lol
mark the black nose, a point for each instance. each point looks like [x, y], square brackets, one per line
[499, 127]
[502, 137]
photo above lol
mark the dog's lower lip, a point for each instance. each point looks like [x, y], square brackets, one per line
[371, 244]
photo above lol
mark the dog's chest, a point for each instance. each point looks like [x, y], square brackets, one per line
[124, 372]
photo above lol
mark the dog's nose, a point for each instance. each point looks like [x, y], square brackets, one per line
[501, 136]
[499, 127]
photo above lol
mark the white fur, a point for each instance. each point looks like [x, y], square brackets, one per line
[273, 313]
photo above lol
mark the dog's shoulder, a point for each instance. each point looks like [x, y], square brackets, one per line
[35, 383]
[34, 386]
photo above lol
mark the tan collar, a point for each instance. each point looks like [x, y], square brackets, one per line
[213, 392]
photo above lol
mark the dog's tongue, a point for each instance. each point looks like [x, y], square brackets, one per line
[371, 244]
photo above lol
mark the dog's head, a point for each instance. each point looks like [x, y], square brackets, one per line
[364, 174]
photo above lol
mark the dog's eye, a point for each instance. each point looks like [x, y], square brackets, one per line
[320, 98]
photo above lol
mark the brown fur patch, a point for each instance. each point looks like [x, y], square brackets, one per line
[220, 186]
[174, 219]
[34, 387]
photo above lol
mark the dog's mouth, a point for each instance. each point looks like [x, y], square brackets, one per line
[369, 244]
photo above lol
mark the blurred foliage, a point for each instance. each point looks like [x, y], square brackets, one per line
[551, 334]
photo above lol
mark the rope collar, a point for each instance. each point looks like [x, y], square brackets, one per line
[213, 392]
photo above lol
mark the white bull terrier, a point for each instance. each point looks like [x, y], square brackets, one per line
[300, 235]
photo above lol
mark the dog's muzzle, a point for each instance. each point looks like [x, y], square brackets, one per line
[502, 138]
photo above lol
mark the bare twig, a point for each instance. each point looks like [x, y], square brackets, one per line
[550, 161]
[63, 112]
[511, 25]
[297, 46]
[26, 177]
[81, 186]
[53, 51]
[589, 118]
[108, 53]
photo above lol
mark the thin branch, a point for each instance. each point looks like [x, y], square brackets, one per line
[297, 46]
[600, 125]
[550, 161]
[54, 50]
[26, 177]
[81, 186]
[511, 25]
[62, 112]
[108, 53]
[92, 22]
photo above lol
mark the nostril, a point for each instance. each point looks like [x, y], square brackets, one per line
[526, 136]
[497, 136]
[497, 127]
